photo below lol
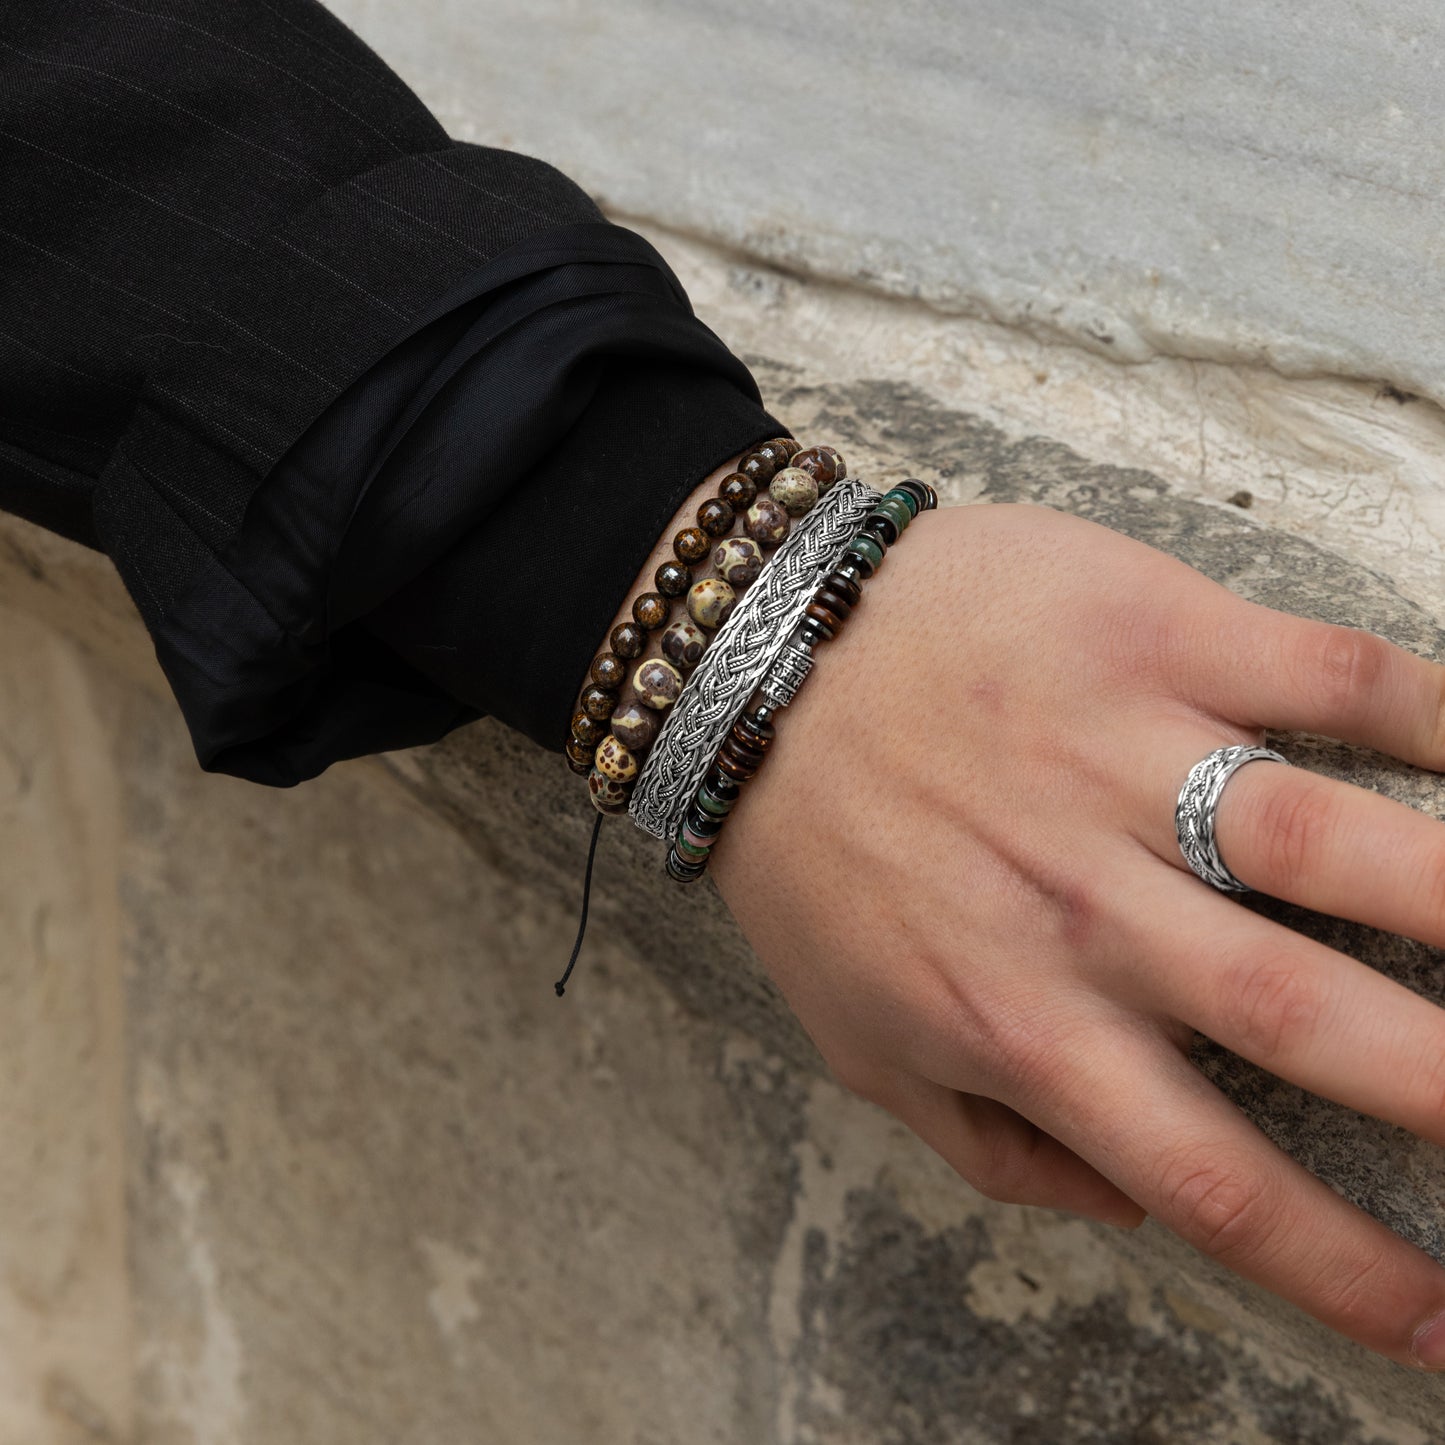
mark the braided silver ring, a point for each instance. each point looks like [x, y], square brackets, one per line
[1194, 812]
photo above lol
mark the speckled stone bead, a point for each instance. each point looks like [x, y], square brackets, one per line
[598, 702]
[691, 544]
[823, 464]
[613, 760]
[737, 491]
[657, 683]
[767, 521]
[635, 727]
[608, 795]
[867, 550]
[794, 490]
[588, 730]
[709, 602]
[716, 517]
[608, 670]
[738, 560]
[628, 640]
[672, 579]
[650, 610]
[683, 643]
[579, 756]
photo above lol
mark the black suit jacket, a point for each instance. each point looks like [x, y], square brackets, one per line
[377, 427]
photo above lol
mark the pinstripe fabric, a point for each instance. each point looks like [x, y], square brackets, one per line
[220, 224]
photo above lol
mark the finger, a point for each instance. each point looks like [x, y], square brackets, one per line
[1005, 1157]
[1271, 669]
[1290, 1004]
[1316, 841]
[1136, 1109]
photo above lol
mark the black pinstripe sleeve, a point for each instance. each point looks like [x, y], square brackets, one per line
[376, 427]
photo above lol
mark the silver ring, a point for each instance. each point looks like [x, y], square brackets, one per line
[1194, 812]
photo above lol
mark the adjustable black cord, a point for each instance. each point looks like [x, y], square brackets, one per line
[561, 983]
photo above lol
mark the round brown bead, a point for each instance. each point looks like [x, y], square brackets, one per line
[767, 522]
[650, 610]
[588, 730]
[598, 702]
[710, 601]
[613, 759]
[758, 467]
[738, 561]
[581, 768]
[608, 670]
[823, 464]
[789, 446]
[672, 579]
[839, 606]
[628, 640]
[691, 544]
[579, 754]
[716, 517]
[845, 585]
[776, 452]
[794, 489]
[608, 795]
[738, 491]
[635, 726]
[829, 619]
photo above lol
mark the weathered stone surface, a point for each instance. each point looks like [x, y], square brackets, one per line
[383, 1185]
[1239, 183]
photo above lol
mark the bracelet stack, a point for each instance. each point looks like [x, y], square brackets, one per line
[631, 686]
[751, 735]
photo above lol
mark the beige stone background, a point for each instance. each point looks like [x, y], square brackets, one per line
[297, 1146]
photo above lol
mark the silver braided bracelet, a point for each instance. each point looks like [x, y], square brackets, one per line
[740, 653]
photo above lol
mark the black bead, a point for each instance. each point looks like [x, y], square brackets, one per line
[882, 527]
[921, 491]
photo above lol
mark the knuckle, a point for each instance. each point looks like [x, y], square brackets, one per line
[1270, 1004]
[1215, 1205]
[1001, 1170]
[1350, 1292]
[1346, 666]
[1293, 822]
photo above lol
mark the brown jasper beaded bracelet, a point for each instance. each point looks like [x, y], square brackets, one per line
[747, 743]
[618, 716]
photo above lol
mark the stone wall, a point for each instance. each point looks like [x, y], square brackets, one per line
[300, 1145]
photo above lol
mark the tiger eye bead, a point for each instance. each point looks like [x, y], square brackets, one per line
[588, 730]
[737, 560]
[710, 601]
[691, 544]
[738, 491]
[608, 670]
[628, 640]
[753, 730]
[716, 517]
[579, 755]
[672, 579]
[767, 523]
[650, 610]
[826, 616]
[657, 683]
[840, 607]
[615, 761]
[735, 767]
[635, 726]
[598, 702]
[683, 643]
[758, 467]
[845, 585]
[794, 490]
[608, 795]
[776, 453]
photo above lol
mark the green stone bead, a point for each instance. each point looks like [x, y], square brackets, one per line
[869, 550]
[907, 498]
[896, 510]
[688, 850]
[718, 807]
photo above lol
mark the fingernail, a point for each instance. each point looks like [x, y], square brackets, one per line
[1428, 1346]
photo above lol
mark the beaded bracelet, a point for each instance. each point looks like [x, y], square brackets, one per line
[748, 741]
[608, 739]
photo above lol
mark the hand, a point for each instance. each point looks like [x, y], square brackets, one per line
[959, 865]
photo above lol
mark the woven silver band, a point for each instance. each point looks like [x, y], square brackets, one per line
[739, 654]
[1194, 812]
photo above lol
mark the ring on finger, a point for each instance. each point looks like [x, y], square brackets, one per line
[1194, 812]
